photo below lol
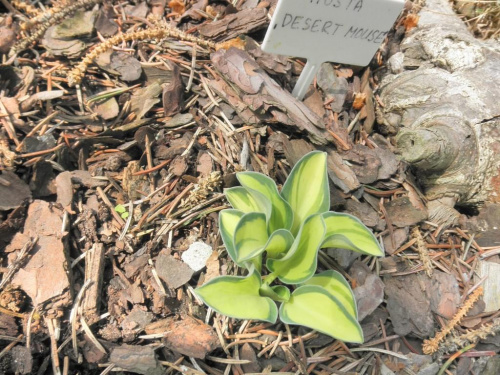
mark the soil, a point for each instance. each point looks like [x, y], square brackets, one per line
[112, 176]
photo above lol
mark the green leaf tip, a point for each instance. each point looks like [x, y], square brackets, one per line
[300, 263]
[348, 232]
[281, 213]
[306, 189]
[250, 236]
[238, 297]
[335, 284]
[312, 306]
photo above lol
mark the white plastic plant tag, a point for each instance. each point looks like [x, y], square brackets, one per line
[342, 31]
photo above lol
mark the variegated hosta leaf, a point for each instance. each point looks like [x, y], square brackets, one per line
[279, 243]
[348, 232]
[312, 306]
[306, 189]
[244, 200]
[228, 220]
[278, 293]
[282, 214]
[335, 284]
[299, 264]
[238, 297]
[250, 237]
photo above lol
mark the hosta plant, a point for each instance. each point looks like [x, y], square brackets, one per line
[285, 230]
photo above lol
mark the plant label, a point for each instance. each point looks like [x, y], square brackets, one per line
[343, 31]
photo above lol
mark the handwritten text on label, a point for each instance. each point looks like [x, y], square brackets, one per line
[331, 28]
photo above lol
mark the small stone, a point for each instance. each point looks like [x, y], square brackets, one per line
[196, 256]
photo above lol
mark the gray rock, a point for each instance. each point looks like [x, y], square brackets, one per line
[196, 256]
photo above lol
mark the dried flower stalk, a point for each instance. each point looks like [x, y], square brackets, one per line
[159, 32]
[25, 7]
[201, 190]
[453, 344]
[48, 19]
[423, 253]
[431, 346]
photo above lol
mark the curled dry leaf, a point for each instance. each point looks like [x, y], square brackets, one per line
[211, 11]
[411, 21]
[236, 43]
[359, 100]
[177, 6]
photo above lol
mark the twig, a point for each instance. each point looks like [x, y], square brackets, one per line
[432, 345]
[453, 357]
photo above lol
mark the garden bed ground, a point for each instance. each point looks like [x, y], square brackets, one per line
[110, 191]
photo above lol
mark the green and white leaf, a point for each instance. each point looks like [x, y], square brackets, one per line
[278, 293]
[312, 306]
[282, 214]
[348, 232]
[299, 264]
[279, 243]
[335, 284]
[250, 237]
[306, 190]
[246, 201]
[228, 220]
[238, 297]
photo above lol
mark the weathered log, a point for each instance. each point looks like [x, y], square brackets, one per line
[446, 113]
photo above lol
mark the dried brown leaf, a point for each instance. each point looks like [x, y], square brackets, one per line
[177, 6]
[359, 100]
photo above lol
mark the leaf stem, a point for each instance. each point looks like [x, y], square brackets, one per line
[270, 278]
